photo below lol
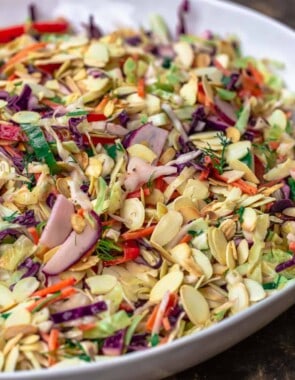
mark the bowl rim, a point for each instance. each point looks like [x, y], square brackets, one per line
[132, 358]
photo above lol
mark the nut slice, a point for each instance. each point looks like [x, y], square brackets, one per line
[170, 282]
[194, 304]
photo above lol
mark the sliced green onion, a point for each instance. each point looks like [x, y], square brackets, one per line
[40, 146]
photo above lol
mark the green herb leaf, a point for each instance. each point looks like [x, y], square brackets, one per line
[240, 212]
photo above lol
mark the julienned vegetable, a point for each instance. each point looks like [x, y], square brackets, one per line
[147, 187]
[79, 312]
[40, 146]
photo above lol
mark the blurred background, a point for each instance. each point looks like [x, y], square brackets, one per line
[270, 353]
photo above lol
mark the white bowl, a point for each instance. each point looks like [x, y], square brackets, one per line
[261, 37]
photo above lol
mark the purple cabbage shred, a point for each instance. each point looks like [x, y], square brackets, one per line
[79, 312]
[113, 345]
[26, 219]
[124, 118]
[183, 9]
[138, 342]
[51, 200]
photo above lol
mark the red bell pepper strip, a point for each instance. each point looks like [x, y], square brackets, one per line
[99, 140]
[12, 133]
[58, 26]
[49, 68]
[8, 34]
[12, 32]
[131, 251]
[95, 117]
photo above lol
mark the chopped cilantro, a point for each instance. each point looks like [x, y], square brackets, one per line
[195, 233]
[105, 247]
[218, 161]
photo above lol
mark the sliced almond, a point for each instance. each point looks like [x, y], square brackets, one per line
[228, 227]
[217, 243]
[6, 298]
[182, 255]
[203, 262]
[12, 331]
[11, 360]
[230, 260]
[194, 304]
[249, 219]
[243, 251]
[170, 282]
[248, 173]
[255, 290]
[239, 296]
[167, 228]
[133, 213]
[18, 317]
[24, 288]
[101, 284]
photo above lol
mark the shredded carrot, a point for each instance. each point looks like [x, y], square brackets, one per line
[256, 74]
[65, 293]
[33, 231]
[204, 174]
[101, 104]
[141, 88]
[137, 193]
[143, 232]
[166, 324]
[53, 345]
[164, 340]
[44, 336]
[186, 239]
[245, 187]
[80, 212]
[49, 103]
[151, 320]
[55, 288]
[273, 145]
[22, 54]
[86, 326]
[12, 77]
[43, 301]
[292, 246]
[109, 222]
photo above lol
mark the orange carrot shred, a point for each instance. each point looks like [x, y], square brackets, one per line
[141, 88]
[54, 288]
[143, 232]
[33, 231]
[150, 322]
[186, 239]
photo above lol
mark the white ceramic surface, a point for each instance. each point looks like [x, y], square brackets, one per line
[261, 37]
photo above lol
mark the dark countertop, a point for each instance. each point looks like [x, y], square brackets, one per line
[270, 353]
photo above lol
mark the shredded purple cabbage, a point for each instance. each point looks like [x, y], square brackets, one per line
[9, 232]
[198, 119]
[138, 342]
[286, 265]
[92, 29]
[31, 267]
[114, 345]
[175, 314]
[133, 41]
[84, 188]
[32, 12]
[214, 123]
[51, 200]
[77, 136]
[183, 9]
[20, 102]
[280, 205]
[26, 219]
[124, 118]
[232, 85]
[79, 312]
